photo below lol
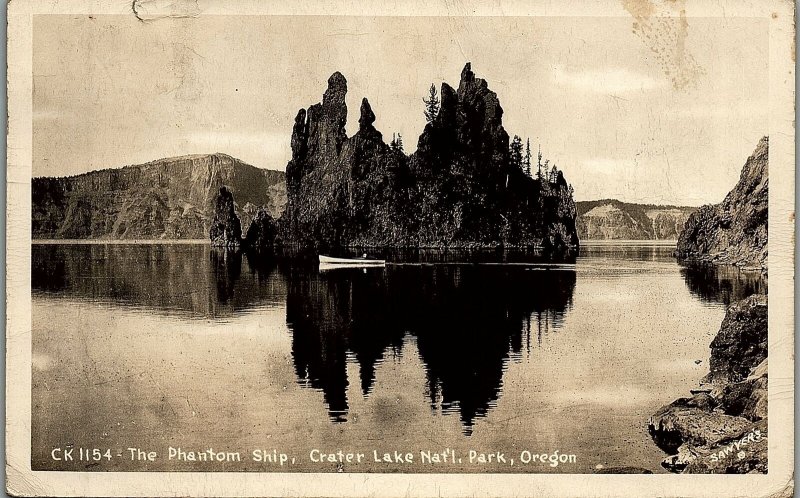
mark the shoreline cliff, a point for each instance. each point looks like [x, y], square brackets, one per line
[734, 231]
[172, 198]
[723, 426]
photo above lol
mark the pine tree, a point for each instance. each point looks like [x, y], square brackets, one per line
[539, 164]
[515, 153]
[396, 145]
[554, 174]
[431, 104]
[527, 162]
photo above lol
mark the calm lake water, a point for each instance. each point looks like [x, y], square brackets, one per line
[185, 346]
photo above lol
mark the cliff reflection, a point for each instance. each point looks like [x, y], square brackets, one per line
[193, 281]
[722, 284]
[467, 319]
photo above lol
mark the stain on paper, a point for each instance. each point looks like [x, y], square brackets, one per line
[151, 10]
[663, 28]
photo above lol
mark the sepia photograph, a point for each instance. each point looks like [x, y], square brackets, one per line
[401, 244]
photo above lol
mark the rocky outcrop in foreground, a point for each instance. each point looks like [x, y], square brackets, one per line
[722, 427]
[741, 342]
[734, 231]
[458, 189]
[612, 219]
[165, 199]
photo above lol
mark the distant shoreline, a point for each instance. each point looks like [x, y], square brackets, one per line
[587, 242]
[119, 241]
[626, 242]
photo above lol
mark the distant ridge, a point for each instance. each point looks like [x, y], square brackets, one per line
[169, 198]
[161, 161]
[610, 219]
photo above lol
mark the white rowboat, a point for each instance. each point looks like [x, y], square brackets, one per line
[327, 260]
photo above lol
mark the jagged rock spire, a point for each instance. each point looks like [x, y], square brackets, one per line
[367, 116]
[467, 75]
[226, 229]
[365, 128]
[336, 91]
[319, 133]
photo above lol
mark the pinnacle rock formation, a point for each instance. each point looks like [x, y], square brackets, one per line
[459, 189]
[226, 229]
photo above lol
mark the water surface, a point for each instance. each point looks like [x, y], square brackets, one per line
[156, 346]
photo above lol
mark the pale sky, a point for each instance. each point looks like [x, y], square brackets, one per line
[667, 122]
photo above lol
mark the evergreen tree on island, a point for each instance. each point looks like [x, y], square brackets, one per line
[515, 153]
[539, 164]
[527, 162]
[431, 104]
[397, 143]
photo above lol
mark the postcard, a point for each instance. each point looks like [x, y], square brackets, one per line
[400, 249]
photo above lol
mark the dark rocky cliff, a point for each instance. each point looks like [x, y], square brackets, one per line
[165, 199]
[706, 432]
[723, 427]
[458, 189]
[613, 219]
[226, 229]
[734, 231]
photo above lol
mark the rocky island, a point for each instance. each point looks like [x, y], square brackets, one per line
[460, 188]
[722, 427]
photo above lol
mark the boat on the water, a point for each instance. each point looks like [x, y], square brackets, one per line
[326, 267]
[328, 260]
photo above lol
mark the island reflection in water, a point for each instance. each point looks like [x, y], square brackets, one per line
[190, 281]
[467, 318]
